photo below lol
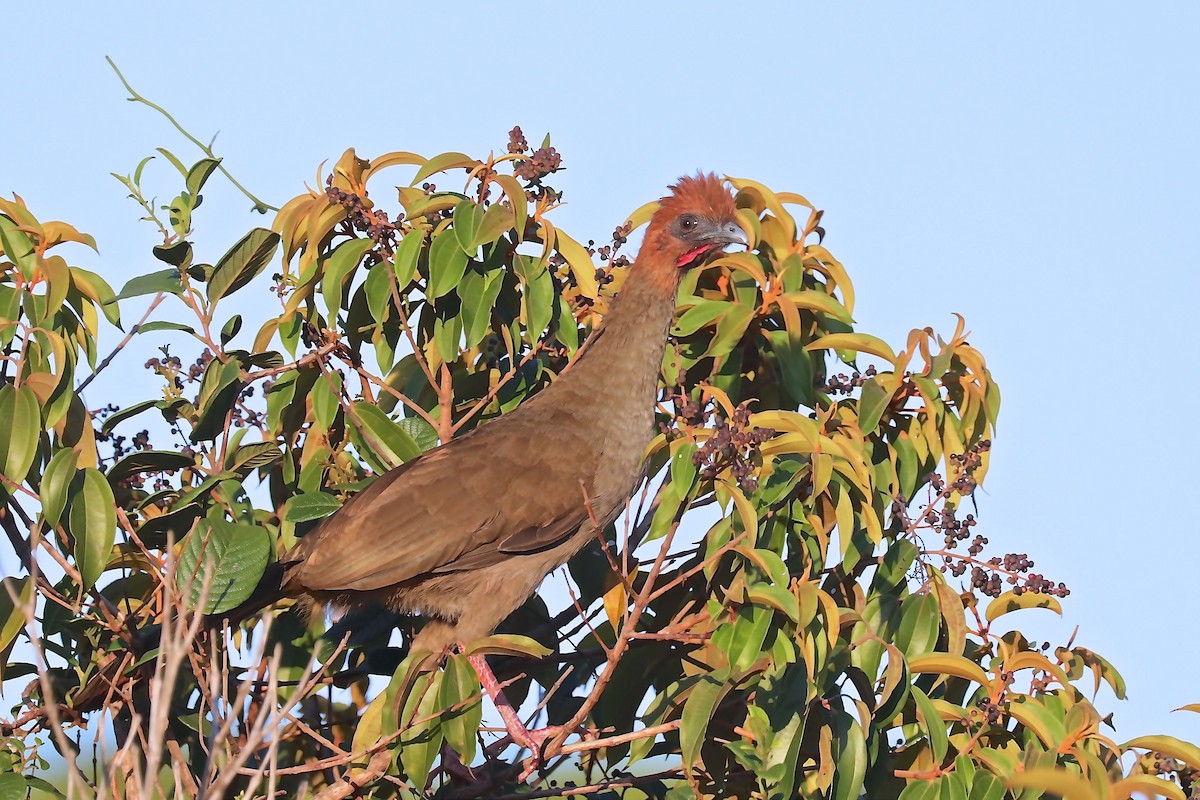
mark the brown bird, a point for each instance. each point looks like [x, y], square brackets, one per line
[465, 533]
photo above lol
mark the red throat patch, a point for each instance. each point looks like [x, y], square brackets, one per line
[695, 255]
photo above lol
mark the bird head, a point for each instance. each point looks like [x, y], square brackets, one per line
[697, 219]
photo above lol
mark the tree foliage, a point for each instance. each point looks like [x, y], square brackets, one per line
[796, 603]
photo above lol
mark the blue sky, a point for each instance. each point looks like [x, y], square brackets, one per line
[1032, 166]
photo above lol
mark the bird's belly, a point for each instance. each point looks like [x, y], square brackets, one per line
[475, 601]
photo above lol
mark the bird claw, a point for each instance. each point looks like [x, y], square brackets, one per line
[534, 741]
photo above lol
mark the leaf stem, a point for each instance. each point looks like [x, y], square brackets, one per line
[259, 205]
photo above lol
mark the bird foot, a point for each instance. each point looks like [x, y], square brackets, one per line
[536, 740]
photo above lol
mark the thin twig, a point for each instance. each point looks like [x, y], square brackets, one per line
[259, 205]
[158, 298]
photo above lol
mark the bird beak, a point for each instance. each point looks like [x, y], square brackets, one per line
[713, 241]
[729, 233]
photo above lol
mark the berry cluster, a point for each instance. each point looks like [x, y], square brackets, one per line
[374, 223]
[168, 367]
[733, 446]
[992, 712]
[688, 412]
[988, 577]
[121, 446]
[845, 384]
[540, 163]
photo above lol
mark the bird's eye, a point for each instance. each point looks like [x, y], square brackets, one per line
[687, 222]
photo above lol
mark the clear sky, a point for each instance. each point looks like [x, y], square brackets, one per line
[1033, 166]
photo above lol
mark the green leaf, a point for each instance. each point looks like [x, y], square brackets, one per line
[749, 632]
[447, 336]
[177, 255]
[701, 315]
[931, 722]
[22, 423]
[163, 325]
[460, 726]
[93, 286]
[218, 389]
[537, 294]
[986, 786]
[851, 758]
[198, 174]
[242, 263]
[507, 644]
[231, 556]
[447, 263]
[141, 461]
[326, 399]
[125, 413]
[378, 286]
[920, 621]
[497, 221]
[404, 263]
[252, 456]
[387, 438]
[698, 710]
[13, 786]
[730, 328]
[467, 218]
[12, 617]
[230, 329]
[166, 280]
[479, 292]
[310, 506]
[338, 267]
[422, 742]
[56, 481]
[871, 405]
[93, 522]
[424, 434]
[18, 247]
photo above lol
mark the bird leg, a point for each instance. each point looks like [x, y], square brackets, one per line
[535, 740]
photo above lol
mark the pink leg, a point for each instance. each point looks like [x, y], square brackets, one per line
[532, 740]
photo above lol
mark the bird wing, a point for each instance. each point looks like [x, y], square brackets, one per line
[460, 506]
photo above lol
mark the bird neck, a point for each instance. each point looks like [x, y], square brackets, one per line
[634, 336]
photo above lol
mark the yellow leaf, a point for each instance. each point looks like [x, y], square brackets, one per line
[1028, 659]
[770, 199]
[742, 262]
[1067, 785]
[582, 266]
[1175, 748]
[1149, 785]
[390, 160]
[1010, 601]
[614, 605]
[794, 199]
[815, 300]
[948, 664]
[57, 232]
[643, 214]
[745, 508]
[823, 261]
[950, 603]
[1032, 713]
[517, 200]
[833, 618]
[441, 163]
[860, 342]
